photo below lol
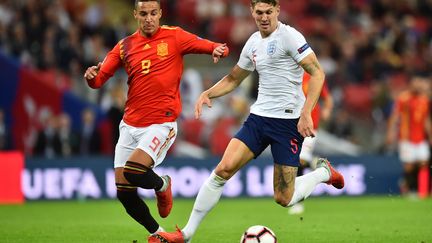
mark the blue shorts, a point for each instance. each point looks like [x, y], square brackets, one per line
[281, 134]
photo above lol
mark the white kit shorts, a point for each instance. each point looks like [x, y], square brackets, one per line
[155, 140]
[413, 152]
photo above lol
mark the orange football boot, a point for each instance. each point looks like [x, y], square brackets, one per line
[336, 178]
[165, 199]
[171, 237]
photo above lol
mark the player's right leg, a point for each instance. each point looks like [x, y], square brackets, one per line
[290, 189]
[236, 155]
[407, 155]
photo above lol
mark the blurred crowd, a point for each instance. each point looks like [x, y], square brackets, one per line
[368, 48]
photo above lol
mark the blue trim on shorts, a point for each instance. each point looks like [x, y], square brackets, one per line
[259, 132]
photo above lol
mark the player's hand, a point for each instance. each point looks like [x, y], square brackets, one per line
[203, 99]
[218, 52]
[92, 72]
[305, 125]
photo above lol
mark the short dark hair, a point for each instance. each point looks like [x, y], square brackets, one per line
[137, 1]
[271, 2]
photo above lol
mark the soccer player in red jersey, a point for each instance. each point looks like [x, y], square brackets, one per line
[411, 116]
[153, 60]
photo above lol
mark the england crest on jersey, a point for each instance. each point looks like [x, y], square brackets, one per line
[271, 47]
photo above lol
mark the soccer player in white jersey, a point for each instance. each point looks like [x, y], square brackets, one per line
[281, 116]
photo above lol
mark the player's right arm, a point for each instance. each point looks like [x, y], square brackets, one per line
[221, 88]
[96, 76]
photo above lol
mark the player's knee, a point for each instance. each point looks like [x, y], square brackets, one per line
[282, 200]
[224, 171]
[139, 175]
[142, 180]
[132, 178]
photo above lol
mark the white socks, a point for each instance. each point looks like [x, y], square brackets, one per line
[305, 184]
[165, 183]
[160, 229]
[208, 196]
[211, 191]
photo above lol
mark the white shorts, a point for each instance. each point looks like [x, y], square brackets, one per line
[413, 152]
[155, 140]
[308, 147]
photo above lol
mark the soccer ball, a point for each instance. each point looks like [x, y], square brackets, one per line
[258, 234]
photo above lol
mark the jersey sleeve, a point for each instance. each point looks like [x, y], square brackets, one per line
[109, 66]
[296, 44]
[191, 43]
[246, 57]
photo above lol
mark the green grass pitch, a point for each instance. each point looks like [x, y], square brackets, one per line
[343, 219]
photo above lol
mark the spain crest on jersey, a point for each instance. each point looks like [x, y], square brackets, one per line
[162, 49]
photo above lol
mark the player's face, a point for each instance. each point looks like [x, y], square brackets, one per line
[419, 85]
[266, 17]
[148, 15]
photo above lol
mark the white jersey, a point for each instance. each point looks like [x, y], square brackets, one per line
[276, 59]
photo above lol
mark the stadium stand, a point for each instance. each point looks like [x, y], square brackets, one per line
[360, 43]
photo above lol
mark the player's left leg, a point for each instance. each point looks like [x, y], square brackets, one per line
[290, 189]
[286, 147]
[236, 155]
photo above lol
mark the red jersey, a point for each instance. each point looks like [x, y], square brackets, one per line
[316, 112]
[413, 111]
[154, 66]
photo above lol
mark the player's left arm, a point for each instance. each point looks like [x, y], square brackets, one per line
[311, 65]
[190, 43]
